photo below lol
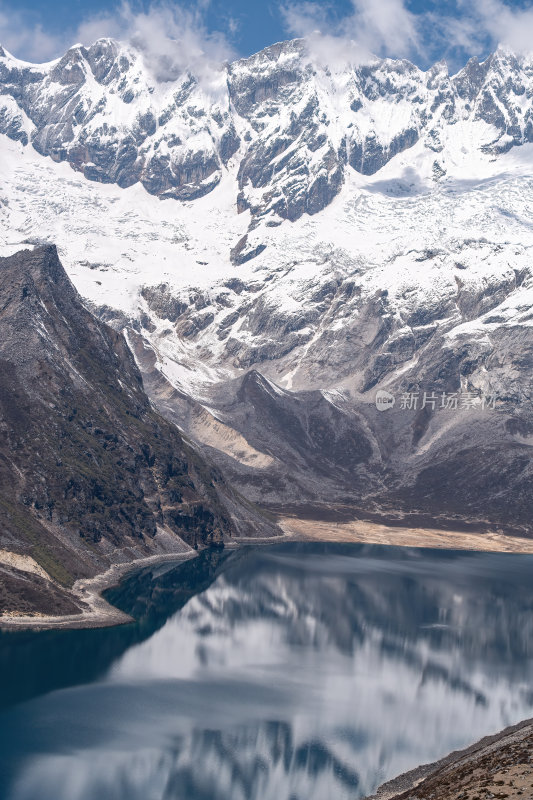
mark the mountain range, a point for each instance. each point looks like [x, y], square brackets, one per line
[282, 242]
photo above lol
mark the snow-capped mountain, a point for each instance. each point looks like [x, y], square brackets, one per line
[282, 239]
[291, 124]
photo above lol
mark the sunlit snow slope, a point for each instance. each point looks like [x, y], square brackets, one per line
[321, 233]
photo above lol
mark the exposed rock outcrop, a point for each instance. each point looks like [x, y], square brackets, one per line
[89, 472]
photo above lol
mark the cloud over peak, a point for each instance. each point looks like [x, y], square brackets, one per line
[452, 30]
[184, 35]
[377, 28]
[171, 38]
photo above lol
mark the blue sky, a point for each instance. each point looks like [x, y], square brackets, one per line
[423, 30]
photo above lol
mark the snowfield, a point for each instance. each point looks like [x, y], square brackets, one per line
[398, 232]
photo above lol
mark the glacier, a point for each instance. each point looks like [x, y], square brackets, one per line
[284, 238]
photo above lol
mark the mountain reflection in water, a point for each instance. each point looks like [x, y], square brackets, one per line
[292, 672]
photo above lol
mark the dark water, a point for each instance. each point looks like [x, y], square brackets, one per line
[295, 672]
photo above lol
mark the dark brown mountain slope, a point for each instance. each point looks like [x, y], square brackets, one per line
[90, 474]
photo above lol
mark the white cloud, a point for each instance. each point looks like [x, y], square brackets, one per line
[382, 28]
[171, 38]
[509, 26]
[389, 28]
[21, 35]
[385, 25]
[480, 26]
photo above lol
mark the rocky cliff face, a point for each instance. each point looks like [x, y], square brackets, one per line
[90, 474]
[285, 125]
[329, 233]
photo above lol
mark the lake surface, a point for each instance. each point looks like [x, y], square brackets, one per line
[291, 672]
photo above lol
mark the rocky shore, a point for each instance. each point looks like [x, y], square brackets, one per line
[499, 766]
[92, 611]
[95, 612]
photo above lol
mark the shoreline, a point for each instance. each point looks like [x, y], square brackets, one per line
[101, 614]
[458, 766]
[364, 532]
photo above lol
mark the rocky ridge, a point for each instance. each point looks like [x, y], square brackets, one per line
[265, 329]
[283, 123]
[90, 474]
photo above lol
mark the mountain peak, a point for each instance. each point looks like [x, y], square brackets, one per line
[283, 128]
[289, 47]
[38, 263]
